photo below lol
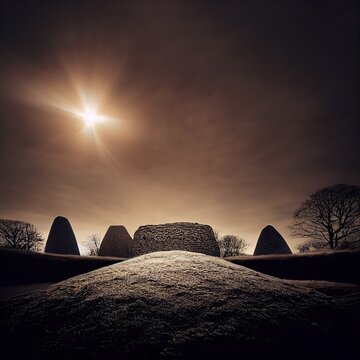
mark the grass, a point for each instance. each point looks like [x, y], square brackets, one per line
[24, 267]
[338, 265]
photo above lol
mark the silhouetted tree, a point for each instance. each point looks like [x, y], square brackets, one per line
[231, 245]
[93, 244]
[20, 235]
[330, 216]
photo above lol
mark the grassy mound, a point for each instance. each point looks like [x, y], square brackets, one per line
[177, 304]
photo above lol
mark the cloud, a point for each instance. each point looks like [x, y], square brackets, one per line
[226, 114]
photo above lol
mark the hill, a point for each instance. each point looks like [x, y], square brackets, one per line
[177, 305]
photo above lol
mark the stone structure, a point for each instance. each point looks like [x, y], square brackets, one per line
[61, 239]
[271, 242]
[116, 242]
[185, 236]
[178, 305]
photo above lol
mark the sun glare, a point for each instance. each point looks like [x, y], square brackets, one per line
[91, 118]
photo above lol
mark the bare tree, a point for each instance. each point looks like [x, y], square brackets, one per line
[330, 216]
[231, 245]
[20, 235]
[93, 244]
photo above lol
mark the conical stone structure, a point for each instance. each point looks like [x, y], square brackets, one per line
[61, 239]
[116, 242]
[184, 236]
[271, 242]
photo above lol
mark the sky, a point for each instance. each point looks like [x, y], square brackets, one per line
[227, 113]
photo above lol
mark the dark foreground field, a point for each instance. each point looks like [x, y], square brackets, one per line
[337, 265]
[181, 305]
[19, 267]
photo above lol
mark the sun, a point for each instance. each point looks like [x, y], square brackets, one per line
[90, 118]
[88, 114]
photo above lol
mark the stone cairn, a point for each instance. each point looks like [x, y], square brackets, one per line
[61, 239]
[185, 236]
[271, 242]
[117, 242]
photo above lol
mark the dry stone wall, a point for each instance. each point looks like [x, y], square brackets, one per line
[185, 236]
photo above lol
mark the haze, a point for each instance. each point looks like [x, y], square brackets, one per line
[224, 113]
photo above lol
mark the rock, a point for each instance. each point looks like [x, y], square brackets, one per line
[175, 305]
[176, 236]
[61, 239]
[271, 242]
[116, 242]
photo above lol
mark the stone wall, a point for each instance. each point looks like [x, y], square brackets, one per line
[175, 236]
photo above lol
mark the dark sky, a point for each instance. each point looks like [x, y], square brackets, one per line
[221, 112]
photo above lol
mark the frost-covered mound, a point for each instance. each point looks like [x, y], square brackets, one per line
[174, 305]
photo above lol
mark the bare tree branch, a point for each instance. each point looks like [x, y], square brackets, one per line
[93, 244]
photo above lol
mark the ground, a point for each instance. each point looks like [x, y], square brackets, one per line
[179, 304]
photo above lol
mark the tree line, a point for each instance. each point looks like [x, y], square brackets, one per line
[328, 219]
